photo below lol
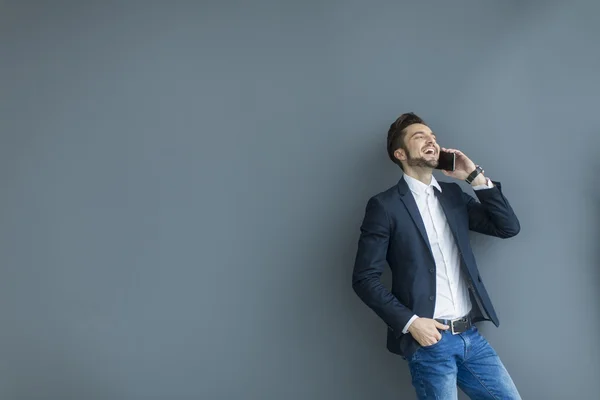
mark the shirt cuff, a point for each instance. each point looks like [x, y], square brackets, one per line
[488, 185]
[410, 321]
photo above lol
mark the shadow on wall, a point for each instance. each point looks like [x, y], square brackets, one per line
[370, 173]
[594, 255]
[596, 259]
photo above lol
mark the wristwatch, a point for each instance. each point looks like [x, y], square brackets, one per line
[473, 175]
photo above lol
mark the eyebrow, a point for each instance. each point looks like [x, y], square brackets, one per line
[422, 132]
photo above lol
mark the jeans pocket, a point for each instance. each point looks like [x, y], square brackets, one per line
[427, 352]
[431, 346]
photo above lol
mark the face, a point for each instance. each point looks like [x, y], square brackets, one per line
[420, 147]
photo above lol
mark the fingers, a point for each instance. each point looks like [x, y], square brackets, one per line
[457, 152]
[429, 341]
[440, 326]
[429, 331]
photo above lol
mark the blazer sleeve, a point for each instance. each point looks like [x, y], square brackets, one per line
[492, 215]
[371, 259]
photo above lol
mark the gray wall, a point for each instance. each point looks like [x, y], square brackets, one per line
[182, 186]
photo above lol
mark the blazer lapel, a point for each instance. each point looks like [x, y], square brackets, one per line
[411, 206]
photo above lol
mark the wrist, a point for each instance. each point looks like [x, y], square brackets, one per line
[479, 180]
[411, 324]
[474, 177]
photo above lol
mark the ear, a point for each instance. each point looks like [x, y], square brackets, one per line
[400, 154]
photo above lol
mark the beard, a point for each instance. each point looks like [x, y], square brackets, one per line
[420, 161]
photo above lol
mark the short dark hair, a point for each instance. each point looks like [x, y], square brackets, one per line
[397, 131]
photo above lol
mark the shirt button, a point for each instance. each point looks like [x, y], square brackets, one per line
[431, 298]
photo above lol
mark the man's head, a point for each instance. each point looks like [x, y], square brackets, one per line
[411, 143]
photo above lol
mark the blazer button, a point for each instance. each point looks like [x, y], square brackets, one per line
[431, 298]
[431, 270]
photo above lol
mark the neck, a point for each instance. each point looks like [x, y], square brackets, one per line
[421, 174]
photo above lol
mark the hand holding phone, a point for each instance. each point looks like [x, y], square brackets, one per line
[446, 161]
[463, 165]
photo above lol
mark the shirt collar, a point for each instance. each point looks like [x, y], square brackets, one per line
[418, 187]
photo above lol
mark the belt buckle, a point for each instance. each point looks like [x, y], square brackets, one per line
[452, 325]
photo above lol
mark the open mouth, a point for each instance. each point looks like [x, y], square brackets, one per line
[429, 151]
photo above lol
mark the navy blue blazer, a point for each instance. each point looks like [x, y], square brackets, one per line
[393, 232]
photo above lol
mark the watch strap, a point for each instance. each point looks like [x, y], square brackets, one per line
[473, 175]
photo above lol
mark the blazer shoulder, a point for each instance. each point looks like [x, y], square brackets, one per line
[386, 196]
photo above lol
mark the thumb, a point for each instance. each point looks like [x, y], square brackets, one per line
[441, 326]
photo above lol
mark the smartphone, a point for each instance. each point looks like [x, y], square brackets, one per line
[446, 161]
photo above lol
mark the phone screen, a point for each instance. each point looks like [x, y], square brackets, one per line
[446, 161]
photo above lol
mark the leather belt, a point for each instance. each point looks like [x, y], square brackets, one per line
[458, 325]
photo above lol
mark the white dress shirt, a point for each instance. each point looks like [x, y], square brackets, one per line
[452, 293]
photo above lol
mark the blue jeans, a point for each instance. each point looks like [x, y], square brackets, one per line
[465, 360]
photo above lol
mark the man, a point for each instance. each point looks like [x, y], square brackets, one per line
[420, 227]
